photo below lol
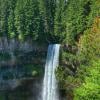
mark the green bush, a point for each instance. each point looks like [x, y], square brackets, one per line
[90, 89]
[33, 70]
[89, 46]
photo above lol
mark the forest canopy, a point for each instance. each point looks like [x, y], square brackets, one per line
[75, 24]
[53, 20]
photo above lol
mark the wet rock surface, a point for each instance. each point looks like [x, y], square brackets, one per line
[21, 69]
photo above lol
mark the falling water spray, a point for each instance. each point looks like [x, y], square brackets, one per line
[49, 91]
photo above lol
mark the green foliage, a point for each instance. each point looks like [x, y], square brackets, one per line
[55, 21]
[89, 43]
[90, 89]
[11, 19]
[33, 70]
[85, 81]
[69, 57]
[95, 11]
[1, 96]
[4, 12]
[73, 17]
[70, 19]
[66, 81]
[27, 18]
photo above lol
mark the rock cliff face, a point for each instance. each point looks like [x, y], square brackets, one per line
[13, 50]
[24, 89]
[9, 45]
[15, 58]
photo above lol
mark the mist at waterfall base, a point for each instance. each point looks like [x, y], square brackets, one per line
[49, 90]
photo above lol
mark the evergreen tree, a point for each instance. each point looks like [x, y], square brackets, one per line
[4, 13]
[11, 19]
[20, 18]
[32, 19]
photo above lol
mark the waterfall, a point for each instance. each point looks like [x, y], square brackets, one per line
[49, 91]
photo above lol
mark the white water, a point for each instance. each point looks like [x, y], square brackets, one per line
[50, 91]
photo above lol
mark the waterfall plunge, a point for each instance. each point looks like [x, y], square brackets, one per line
[49, 91]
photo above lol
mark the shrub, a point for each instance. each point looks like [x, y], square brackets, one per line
[90, 89]
[89, 46]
